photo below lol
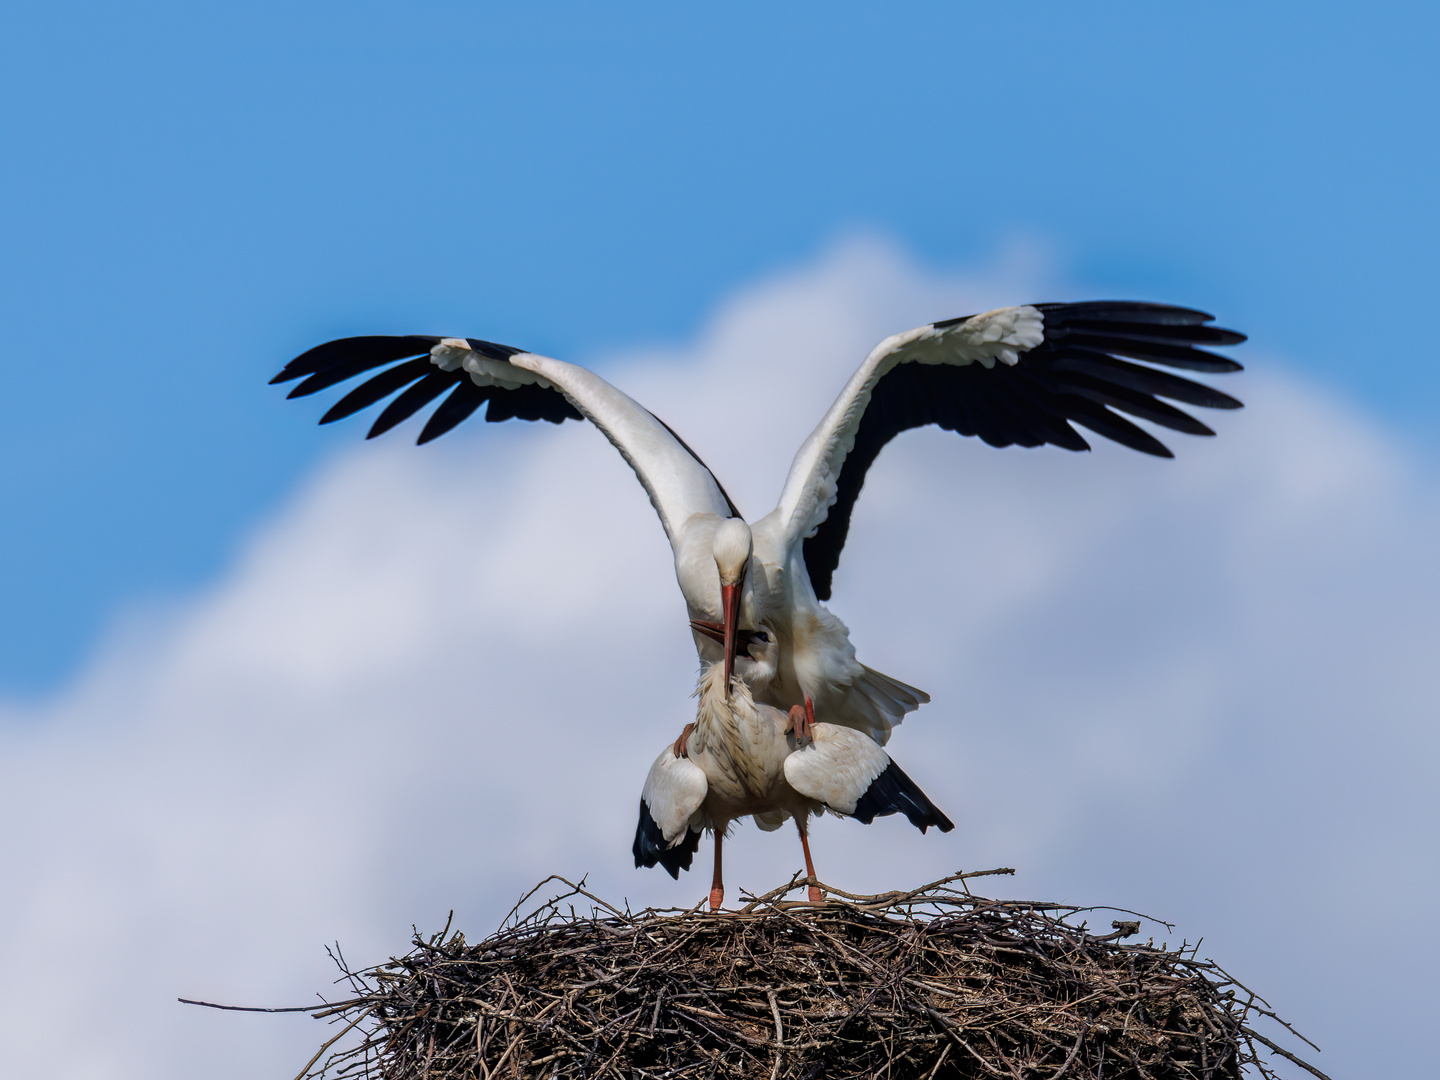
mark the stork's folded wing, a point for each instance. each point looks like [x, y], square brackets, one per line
[837, 768]
[673, 794]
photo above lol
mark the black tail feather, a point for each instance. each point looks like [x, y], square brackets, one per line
[650, 846]
[892, 792]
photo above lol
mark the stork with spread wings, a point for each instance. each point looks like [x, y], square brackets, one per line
[1018, 376]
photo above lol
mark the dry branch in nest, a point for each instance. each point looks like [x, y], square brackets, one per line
[935, 983]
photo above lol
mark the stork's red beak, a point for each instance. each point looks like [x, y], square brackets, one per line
[713, 630]
[730, 603]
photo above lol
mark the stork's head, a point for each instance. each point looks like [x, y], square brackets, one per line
[757, 657]
[732, 546]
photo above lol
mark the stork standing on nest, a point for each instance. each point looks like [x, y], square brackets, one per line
[742, 757]
[1014, 376]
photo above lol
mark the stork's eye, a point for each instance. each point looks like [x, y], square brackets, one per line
[762, 637]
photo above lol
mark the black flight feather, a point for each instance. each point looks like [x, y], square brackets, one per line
[380, 386]
[530, 402]
[1153, 352]
[412, 400]
[650, 847]
[1103, 421]
[337, 372]
[892, 792]
[376, 349]
[1145, 380]
[464, 400]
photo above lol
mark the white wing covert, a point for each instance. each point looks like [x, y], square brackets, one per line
[853, 777]
[674, 790]
[837, 767]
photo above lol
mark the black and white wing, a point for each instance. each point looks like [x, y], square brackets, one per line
[668, 832]
[848, 771]
[516, 385]
[1019, 376]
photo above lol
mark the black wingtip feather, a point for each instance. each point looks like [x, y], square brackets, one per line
[1127, 311]
[464, 400]
[1116, 428]
[381, 386]
[412, 399]
[1145, 380]
[375, 349]
[650, 848]
[892, 792]
[1169, 353]
[1133, 318]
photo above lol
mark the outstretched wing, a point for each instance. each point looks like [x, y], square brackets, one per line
[517, 385]
[1019, 376]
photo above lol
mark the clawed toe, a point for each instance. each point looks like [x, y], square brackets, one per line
[796, 724]
[802, 722]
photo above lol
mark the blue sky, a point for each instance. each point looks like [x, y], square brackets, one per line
[223, 621]
[193, 193]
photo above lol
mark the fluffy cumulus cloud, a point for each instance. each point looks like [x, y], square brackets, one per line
[1203, 689]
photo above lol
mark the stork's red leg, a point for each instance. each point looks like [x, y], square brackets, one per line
[683, 740]
[717, 887]
[815, 896]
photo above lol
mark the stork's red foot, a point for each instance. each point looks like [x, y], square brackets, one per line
[802, 721]
[683, 740]
[717, 897]
[815, 897]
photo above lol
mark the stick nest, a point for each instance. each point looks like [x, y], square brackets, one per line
[934, 983]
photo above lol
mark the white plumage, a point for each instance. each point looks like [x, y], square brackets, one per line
[742, 757]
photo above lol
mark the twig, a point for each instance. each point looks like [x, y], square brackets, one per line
[332, 1041]
[1250, 1034]
[317, 1007]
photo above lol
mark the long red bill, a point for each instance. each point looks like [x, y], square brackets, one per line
[713, 630]
[730, 601]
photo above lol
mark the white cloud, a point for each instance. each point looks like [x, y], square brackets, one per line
[1201, 688]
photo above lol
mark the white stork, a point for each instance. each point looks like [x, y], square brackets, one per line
[741, 756]
[1014, 376]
